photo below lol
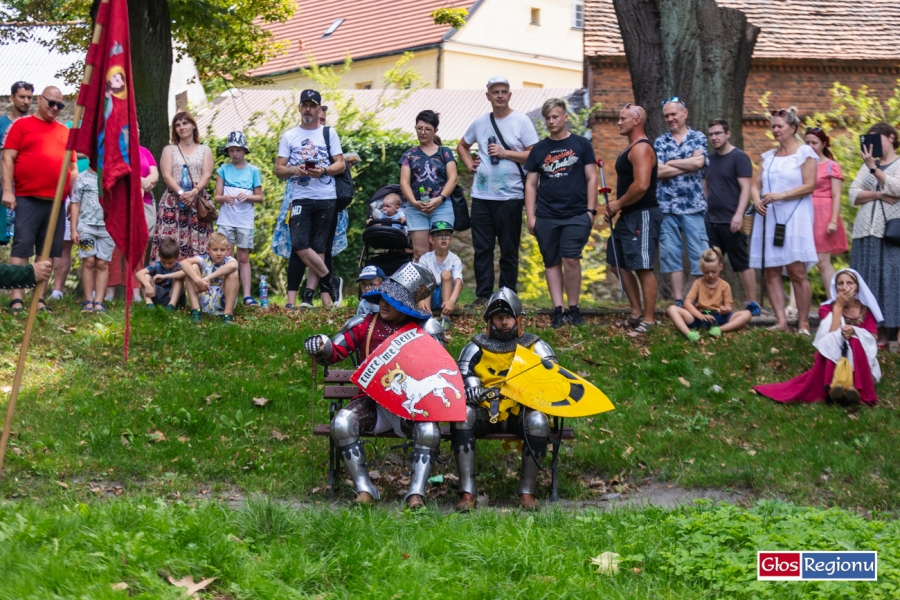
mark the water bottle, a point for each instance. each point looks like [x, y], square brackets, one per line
[423, 195]
[185, 183]
[263, 292]
[495, 160]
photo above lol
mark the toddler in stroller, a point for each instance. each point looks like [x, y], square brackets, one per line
[386, 243]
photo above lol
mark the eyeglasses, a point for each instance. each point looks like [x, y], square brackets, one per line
[367, 285]
[674, 99]
[633, 109]
[54, 103]
[424, 129]
[324, 108]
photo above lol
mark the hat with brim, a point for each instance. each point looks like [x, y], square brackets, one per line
[237, 139]
[397, 296]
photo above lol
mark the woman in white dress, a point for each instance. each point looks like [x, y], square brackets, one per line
[782, 193]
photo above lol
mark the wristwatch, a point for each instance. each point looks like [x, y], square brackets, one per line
[180, 193]
[872, 170]
[442, 197]
[592, 211]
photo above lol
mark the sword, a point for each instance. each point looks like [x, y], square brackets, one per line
[605, 191]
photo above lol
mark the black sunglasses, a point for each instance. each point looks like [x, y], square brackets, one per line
[633, 109]
[813, 130]
[54, 103]
[779, 113]
[674, 99]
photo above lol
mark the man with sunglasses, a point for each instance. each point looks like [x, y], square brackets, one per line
[33, 155]
[682, 159]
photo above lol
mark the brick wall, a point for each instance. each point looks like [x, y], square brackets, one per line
[804, 84]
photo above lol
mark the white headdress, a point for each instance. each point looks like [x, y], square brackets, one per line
[863, 294]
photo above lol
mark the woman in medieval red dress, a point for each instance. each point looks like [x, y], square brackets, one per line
[850, 319]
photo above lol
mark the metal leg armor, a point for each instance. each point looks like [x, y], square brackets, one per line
[534, 450]
[345, 433]
[426, 441]
[462, 441]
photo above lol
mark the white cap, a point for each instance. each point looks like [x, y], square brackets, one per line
[497, 79]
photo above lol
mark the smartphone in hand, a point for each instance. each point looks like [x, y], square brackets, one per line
[873, 140]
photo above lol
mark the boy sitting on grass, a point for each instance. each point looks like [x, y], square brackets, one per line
[369, 278]
[447, 270]
[213, 285]
[709, 303]
[163, 281]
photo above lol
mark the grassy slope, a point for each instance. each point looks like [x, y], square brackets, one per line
[179, 415]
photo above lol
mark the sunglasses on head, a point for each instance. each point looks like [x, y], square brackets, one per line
[813, 130]
[779, 113]
[633, 109]
[674, 99]
[54, 103]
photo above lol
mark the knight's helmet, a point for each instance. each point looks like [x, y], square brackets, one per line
[503, 301]
[403, 290]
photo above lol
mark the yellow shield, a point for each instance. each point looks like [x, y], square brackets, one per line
[545, 386]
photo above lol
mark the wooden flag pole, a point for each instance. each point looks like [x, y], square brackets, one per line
[45, 255]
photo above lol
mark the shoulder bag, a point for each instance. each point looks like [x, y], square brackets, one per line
[206, 210]
[504, 144]
[891, 228]
[461, 219]
[343, 183]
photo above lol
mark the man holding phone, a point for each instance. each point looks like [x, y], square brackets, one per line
[304, 158]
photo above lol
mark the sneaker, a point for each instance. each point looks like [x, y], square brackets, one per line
[195, 315]
[446, 323]
[149, 306]
[679, 303]
[170, 308]
[558, 319]
[754, 309]
[715, 331]
[56, 295]
[574, 316]
[693, 336]
[478, 303]
[337, 291]
[307, 298]
[227, 319]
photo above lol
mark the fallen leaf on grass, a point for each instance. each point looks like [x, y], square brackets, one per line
[684, 382]
[691, 461]
[607, 563]
[188, 583]
[6, 389]
[405, 555]
[628, 451]
[665, 362]
[279, 436]
[773, 350]
[119, 586]
[156, 436]
[261, 401]
[17, 451]
[62, 484]
[751, 452]
[183, 439]
[212, 397]
[637, 570]
[853, 416]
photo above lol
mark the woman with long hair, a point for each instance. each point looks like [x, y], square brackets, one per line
[427, 177]
[783, 228]
[876, 191]
[177, 213]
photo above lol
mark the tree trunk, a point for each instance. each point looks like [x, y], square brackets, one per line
[151, 63]
[692, 49]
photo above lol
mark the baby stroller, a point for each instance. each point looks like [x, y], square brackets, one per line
[383, 245]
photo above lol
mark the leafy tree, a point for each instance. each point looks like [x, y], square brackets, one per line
[224, 37]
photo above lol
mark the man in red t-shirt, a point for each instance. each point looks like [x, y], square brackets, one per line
[32, 157]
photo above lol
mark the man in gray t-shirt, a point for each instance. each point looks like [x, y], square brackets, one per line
[498, 190]
[726, 185]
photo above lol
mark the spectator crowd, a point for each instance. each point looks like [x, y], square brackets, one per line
[686, 201]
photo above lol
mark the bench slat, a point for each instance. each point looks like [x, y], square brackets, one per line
[567, 434]
[340, 392]
[338, 376]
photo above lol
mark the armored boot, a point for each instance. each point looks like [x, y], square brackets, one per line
[537, 438]
[462, 441]
[345, 433]
[426, 441]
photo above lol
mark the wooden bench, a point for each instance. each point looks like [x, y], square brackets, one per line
[339, 388]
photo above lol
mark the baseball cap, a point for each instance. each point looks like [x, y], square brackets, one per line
[311, 95]
[497, 79]
[441, 226]
[370, 272]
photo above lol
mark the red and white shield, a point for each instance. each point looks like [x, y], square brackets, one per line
[411, 375]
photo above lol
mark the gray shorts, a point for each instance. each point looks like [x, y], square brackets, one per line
[239, 237]
[635, 240]
[95, 241]
[562, 238]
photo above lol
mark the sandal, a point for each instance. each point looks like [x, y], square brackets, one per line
[249, 301]
[630, 322]
[42, 306]
[16, 306]
[642, 328]
[99, 307]
[87, 306]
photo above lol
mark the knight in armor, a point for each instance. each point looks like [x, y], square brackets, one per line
[397, 299]
[484, 363]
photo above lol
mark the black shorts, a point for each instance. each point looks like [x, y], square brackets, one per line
[733, 245]
[635, 240]
[310, 224]
[562, 238]
[32, 218]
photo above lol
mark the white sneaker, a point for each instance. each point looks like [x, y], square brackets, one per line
[56, 295]
[337, 291]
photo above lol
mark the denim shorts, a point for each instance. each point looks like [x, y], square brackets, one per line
[240, 237]
[416, 220]
[671, 248]
[720, 320]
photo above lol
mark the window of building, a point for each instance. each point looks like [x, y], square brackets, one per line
[364, 85]
[332, 28]
[577, 14]
[535, 16]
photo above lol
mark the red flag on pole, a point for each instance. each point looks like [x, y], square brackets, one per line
[108, 134]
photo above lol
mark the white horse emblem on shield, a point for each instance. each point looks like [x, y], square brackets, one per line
[402, 384]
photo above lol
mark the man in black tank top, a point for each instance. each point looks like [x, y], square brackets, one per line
[633, 243]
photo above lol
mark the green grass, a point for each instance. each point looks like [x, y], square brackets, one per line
[269, 550]
[178, 418]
